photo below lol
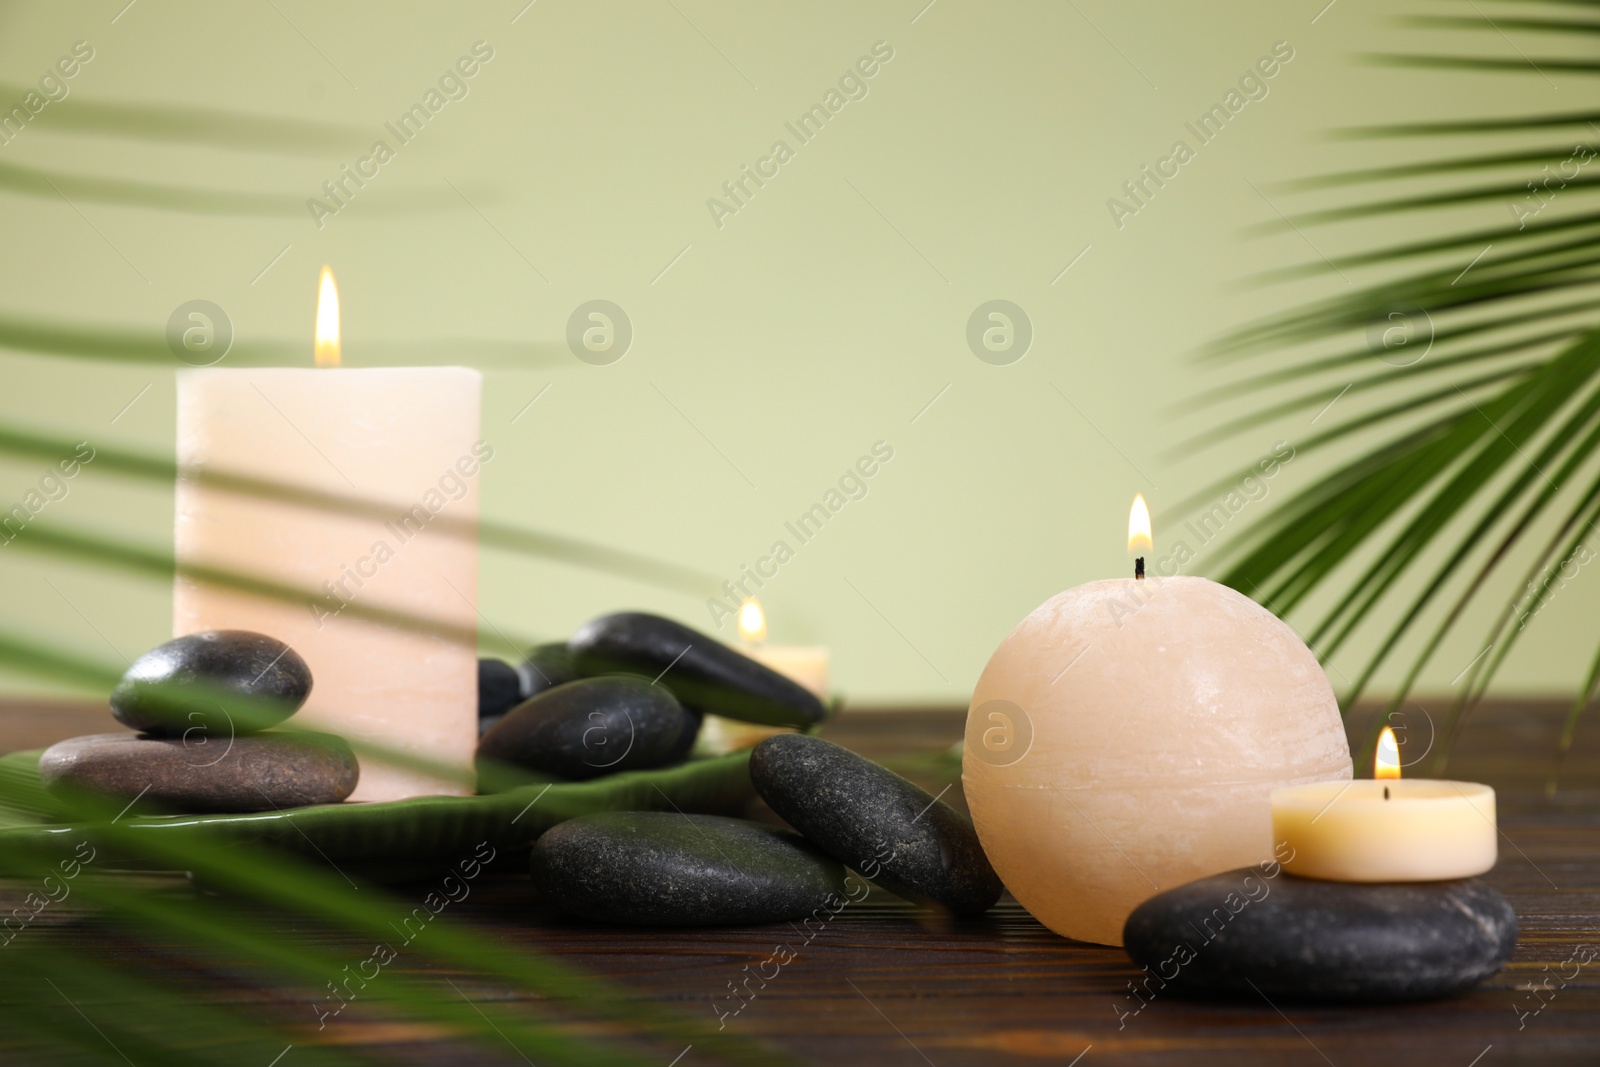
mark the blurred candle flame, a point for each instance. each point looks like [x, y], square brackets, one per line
[1139, 536]
[752, 621]
[327, 344]
[1386, 763]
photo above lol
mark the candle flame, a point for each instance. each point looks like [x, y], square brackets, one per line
[327, 344]
[752, 621]
[1139, 536]
[1386, 763]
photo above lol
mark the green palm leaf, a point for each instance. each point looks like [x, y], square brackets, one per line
[210, 127]
[1488, 441]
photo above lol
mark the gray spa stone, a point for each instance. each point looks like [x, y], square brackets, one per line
[652, 868]
[168, 690]
[876, 822]
[259, 772]
[1307, 940]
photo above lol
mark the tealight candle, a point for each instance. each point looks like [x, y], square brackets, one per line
[1387, 829]
[1125, 738]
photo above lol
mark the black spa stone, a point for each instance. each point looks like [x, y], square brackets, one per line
[499, 690]
[258, 772]
[588, 728]
[502, 687]
[650, 868]
[178, 689]
[1306, 940]
[876, 822]
[701, 670]
[692, 721]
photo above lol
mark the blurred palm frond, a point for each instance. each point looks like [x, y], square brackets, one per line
[1481, 453]
[277, 916]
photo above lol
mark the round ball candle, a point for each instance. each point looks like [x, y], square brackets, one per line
[1126, 737]
[1387, 829]
[402, 438]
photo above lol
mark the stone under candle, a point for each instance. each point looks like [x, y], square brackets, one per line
[1125, 738]
[1262, 932]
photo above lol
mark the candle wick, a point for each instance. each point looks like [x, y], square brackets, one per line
[1138, 568]
[1386, 792]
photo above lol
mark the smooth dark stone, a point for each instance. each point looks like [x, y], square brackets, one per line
[499, 689]
[588, 728]
[701, 670]
[546, 667]
[260, 772]
[653, 868]
[692, 720]
[876, 822]
[173, 689]
[1308, 940]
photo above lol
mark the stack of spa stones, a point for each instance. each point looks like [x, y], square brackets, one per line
[203, 708]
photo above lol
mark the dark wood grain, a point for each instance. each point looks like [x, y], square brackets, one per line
[885, 985]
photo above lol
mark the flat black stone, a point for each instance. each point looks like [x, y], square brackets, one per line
[587, 728]
[178, 689]
[499, 690]
[1244, 933]
[876, 822]
[700, 670]
[215, 775]
[651, 868]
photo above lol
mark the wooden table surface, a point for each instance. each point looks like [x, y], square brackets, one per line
[884, 986]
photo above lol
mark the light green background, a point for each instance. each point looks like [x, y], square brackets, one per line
[768, 354]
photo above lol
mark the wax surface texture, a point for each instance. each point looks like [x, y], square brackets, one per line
[1125, 738]
[405, 438]
[1427, 830]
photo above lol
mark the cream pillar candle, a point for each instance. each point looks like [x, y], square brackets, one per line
[405, 438]
[1386, 829]
[1125, 738]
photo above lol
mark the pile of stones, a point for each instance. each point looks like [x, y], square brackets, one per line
[628, 692]
[673, 869]
[192, 754]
